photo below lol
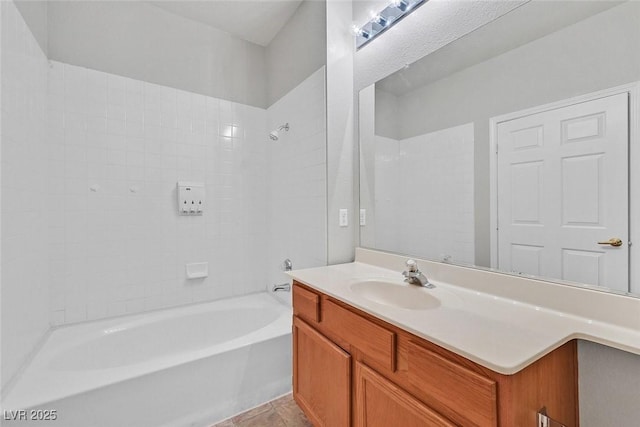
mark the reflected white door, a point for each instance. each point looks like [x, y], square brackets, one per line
[562, 188]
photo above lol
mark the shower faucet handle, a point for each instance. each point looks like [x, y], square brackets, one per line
[287, 264]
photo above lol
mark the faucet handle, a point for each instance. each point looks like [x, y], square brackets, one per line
[287, 265]
[412, 265]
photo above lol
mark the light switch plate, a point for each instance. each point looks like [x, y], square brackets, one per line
[344, 217]
[363, 217]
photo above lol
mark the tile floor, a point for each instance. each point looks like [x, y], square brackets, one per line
[282, 412]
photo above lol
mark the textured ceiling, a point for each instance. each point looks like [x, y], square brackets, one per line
[528, 22]
[257, 21]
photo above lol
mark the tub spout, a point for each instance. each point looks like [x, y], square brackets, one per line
[282, 287]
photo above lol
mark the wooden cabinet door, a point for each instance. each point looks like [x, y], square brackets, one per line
[321, 377]
[459, 393]
[380, 403]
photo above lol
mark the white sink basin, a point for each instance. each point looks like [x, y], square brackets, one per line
[399, 295]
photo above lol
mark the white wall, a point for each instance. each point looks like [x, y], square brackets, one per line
[387, 120]
[159, 47]
[609, 386]
[118, 148]
[24, 149]
[386, 203]
[341, 159]
[297, 51]
[34, 13]
[1, 241]
[570, 62]
[297, 220]
[137, 146]
[119, 145]
[436, 182]
[367, 167]
[141, 41]
[426, 176]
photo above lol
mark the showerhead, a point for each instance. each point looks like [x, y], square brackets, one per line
[274, 135]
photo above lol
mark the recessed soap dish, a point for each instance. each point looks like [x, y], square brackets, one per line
[197, 270]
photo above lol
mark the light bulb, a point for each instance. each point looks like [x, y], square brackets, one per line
[380, 20]
[400, 4]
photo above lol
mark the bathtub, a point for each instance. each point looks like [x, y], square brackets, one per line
[187, 366]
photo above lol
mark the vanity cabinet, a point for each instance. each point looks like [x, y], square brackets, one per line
[322, 379]
[352, 369]
[381, 403]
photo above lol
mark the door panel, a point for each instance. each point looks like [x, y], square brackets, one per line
[562, 188]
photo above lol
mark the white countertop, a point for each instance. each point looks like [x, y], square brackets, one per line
[498, 321]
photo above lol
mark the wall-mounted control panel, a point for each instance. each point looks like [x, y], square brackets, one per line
[344, 218]
[190, 198]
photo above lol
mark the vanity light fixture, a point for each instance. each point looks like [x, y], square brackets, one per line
[385, 19]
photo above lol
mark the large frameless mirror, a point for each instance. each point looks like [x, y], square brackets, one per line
[513, 148]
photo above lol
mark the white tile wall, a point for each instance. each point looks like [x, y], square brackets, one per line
[298, 176]
[24, 186]
[119, 145]
[387, 191]
[117, 148]
[101, 226]
[429, 176]
[367, 166]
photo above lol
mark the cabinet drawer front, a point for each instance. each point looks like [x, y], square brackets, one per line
[375, 342]
[442, 383]
[306, 304]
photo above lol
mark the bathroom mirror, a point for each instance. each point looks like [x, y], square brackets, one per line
[513, 147]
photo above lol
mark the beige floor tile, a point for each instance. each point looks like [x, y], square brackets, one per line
[281, 412]
[292, 415]
[282, 400]
[266, 419]
[252, 413]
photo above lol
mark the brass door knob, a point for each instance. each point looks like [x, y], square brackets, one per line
[614, 241]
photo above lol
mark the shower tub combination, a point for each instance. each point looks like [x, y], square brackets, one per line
[187, 366]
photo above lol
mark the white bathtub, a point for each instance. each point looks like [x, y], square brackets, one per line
[188, 366]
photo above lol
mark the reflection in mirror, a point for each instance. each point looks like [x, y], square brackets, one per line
[510, 147]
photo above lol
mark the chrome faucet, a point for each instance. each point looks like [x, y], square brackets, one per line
[287, 265]
[414, 276]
